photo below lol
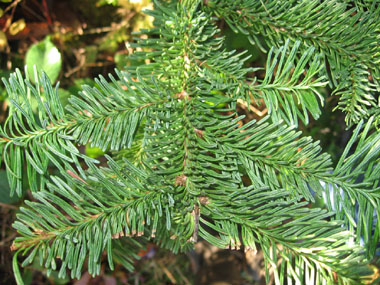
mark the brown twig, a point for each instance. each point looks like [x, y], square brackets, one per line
[15, 3]
[8, 239]
[169, 274]
[8, 206]
[46, 12]
[9, 20]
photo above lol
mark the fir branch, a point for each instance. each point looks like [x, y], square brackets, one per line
[273, 157]
[354, 185]
[91, 215]
[178, 46]
[295, 239]
[316, 24]
[107, 118]
[199, 169]
[307, 21]
[356, 95]
[288, 87]
[225, 71]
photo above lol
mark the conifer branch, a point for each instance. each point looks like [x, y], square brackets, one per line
[106, 120]
[96, 212]
[348, 52]
[283, 237]
[292, 87]
[186, 164]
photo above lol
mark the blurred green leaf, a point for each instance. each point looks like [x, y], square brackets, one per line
[93, 152]
[107, 2]
[28, 273]
[45, 56]
[239, 41]
[27, 276]
[91, 53]
[5, 190]
[78, 83]
[64, 96]
[121, 60]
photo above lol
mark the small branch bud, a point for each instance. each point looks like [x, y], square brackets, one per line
[203, 200]
[199, 133]
[180, 180]
[183, 95]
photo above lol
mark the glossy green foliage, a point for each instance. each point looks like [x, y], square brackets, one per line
[346, 35]
[45, 56]
[182, 162]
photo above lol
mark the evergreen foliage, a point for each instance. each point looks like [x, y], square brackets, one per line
[184, 165]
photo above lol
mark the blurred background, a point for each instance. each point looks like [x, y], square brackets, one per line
[74, 41]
